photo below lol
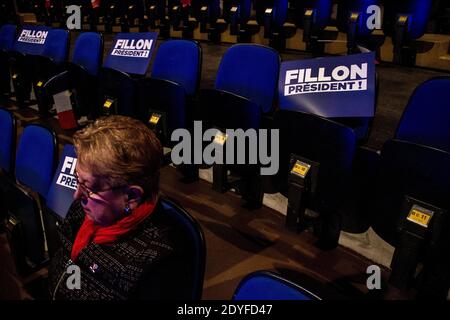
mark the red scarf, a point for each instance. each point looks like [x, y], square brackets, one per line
[185, 3]
[89, 231]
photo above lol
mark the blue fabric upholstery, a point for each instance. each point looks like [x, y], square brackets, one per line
[427, 115]
[418, 10]
[88, 52]
[331, 144]
[360, 6]
[250, 71]
[264, 285]
[408, 169]
[280, 12]
[179, 61]
[35, 158]
[322, 12]
[7, 134]
[214, 10]
[195, 248]
[243, 12]
[7, 37]
[56, 45]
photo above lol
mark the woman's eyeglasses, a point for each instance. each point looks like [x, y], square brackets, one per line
[87, 192]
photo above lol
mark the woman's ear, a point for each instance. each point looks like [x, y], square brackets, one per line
[134, 195]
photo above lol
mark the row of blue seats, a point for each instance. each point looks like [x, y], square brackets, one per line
[241, 103]
[34, 204]
[405, 175]
[400, 170]
[248, 71]
[28, 195]
[403, 20]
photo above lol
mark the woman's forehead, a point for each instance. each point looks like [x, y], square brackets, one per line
[84, 173]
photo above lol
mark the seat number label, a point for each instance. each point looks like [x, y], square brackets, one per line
[420, 216]
[300, 168]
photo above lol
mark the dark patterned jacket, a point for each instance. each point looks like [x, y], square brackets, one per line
[143, 264]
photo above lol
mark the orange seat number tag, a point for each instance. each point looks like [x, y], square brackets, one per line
[420, 216]
[301, 168]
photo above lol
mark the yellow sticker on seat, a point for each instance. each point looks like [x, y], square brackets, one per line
[402, 19]
[301, 168]
[354, 15]
[220, 138]
[40, 83]
[420, 216]
[154, 118]
[107, 104]
[309, 12]
[14, 76]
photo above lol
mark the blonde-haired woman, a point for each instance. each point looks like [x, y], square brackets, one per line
[116, 233]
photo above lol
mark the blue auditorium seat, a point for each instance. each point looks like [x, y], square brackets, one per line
[39, 10]
[35, 158]
[267, 285]
[237, 13]
[134, 13]
[181, 277]
[88, 52]
[81, 76]
[278, 13]
[155, 11]
[49, 63]
[34, 168]
[22, 64]
[7, 12]
[250, 71]
[179, 61]
[120, 86]
[410, 210]
[352, 19]
[407, 168]
[244, 90]
[194, 251]
[280, 8]
[405, 21]
[173, 85]
[7, 150]
[329, 148]
[179, 15]
[7, 141]
[59, 197]
[426, 116]
[7, 36]
[120, 75]
[57, 14]
[272, 14]
[313, 16]
[206, 12]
